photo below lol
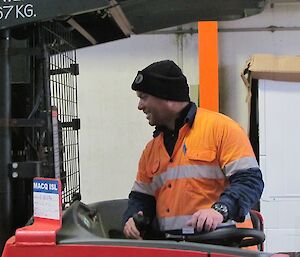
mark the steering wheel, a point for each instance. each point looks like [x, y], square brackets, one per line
[227, 236]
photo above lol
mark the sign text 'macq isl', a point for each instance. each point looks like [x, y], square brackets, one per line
[16, 9]
[44, 186]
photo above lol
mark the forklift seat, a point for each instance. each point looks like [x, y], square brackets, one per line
[111, 213]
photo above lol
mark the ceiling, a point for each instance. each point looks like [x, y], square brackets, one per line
[97, 21]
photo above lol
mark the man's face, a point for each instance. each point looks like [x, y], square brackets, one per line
[156, 109]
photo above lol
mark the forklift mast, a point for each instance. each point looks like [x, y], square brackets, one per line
[39, 118]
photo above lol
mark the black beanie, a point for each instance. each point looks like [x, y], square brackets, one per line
[164, 80]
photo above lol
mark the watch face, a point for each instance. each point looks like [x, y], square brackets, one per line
[221, 208]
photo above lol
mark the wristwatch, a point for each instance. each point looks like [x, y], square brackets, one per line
[221, 208]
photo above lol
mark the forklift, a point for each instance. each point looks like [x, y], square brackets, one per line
[39, 124]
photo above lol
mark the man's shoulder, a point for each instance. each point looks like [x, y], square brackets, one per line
[214, 117]
[209, 113]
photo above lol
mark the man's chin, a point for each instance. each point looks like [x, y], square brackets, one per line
[151, 123]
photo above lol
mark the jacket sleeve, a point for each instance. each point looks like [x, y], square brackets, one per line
[244, 191]
[140, 202]
[239, 165]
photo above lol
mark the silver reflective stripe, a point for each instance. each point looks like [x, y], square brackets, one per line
[172, 223]
[143, 188]
[178, 172]
[240, 164]
[179, 222]
[194, 171]
[189, 171]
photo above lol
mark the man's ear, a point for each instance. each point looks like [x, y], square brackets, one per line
[175, 106]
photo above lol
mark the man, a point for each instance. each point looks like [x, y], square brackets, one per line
[199, 170]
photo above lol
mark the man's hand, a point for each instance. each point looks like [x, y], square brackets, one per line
[130, 230]
[205, 220]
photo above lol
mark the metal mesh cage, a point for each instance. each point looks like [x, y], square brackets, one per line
[63, 71]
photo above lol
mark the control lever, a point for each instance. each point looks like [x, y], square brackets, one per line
[142, 222]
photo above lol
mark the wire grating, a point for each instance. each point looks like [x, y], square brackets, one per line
[63, 93]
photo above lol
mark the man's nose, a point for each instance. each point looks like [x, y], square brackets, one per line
[140, 105]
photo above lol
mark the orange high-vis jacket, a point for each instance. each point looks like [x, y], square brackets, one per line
[206, 154]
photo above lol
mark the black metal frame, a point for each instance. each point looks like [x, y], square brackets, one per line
[5, 139]
[34, 142]
[63, 71]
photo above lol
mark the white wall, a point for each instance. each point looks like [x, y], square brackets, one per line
[236, 47]
[113, 132]
[279, 130]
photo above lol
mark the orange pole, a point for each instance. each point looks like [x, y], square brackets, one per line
[208, 65]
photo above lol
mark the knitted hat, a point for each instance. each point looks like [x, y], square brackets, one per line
[164, 80]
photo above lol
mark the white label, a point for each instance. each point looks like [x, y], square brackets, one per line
[46, 200]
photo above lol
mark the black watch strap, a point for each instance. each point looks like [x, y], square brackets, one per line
[221, 208]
